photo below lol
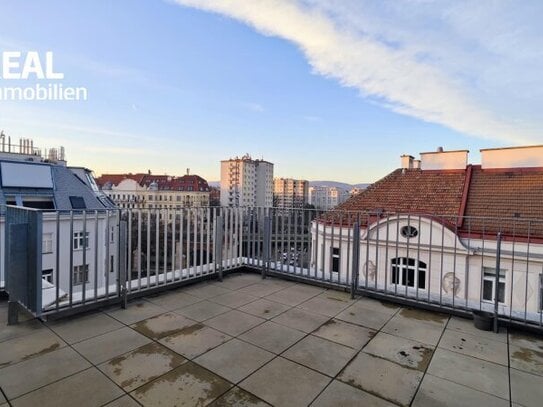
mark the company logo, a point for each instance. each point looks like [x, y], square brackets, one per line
[17, 67]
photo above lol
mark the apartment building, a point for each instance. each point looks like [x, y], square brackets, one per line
[146, 191]
[432, 229]
[41, 179]
[246, 182]
[290, 193]
[326, 197]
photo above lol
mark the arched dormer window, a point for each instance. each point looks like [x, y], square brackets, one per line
[406, 272]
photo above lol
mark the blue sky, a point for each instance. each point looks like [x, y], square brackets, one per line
[324, 89]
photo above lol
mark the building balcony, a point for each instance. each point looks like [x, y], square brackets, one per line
[248, 306]
[252, 341]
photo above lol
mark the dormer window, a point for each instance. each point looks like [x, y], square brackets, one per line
[409, 231]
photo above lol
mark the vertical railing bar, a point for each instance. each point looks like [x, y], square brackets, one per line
[512, 269]
[165, 219]
[454, 263]
[415, 268]
[173, 255]
[366, 266]
[129, 254]
[139, 249]
[201, 211]
[208, 241]
[95, 255]
[497, 280]
[71, 243]
[527, 269]
[349, 259]
[387, 262]
[430, 252]
[377, 245]
[399, 264]
[442, 260]
[108, 243]
[57, 261]
[148, 271]
[481, 279]
[85, 269]
[157, 246]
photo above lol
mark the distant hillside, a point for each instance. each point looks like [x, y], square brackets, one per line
[314, 184]
[336, 184]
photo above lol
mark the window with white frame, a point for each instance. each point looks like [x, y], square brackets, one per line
[81, 274]
[335, 259]
[408, 272]
[81, 240]
[47, 275]
[489, 285]
[47, 243]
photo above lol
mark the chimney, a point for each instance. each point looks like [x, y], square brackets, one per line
[512, 157]
[407, 161]
[188, 171]
[444, 160]
[416, 164]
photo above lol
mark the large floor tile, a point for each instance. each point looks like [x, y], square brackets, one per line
[341, 394]
[87, 388]
[38, 343]
[78, 328]
[295, 295]
[136, 311]
[436, 392]
[474, 345]
[261, 289]
[360, 315]
[383, 307]
[234, 360]
[8, 332]
[194, 340]
[207, 290]
[234, 322]
[238, 281]
[419, 325]
[273, 337]
[467, 326]
[325, 304]
[125, 401]
[264, 308]
[162, 325]
[239, 398]
[402, 351]
[141, 365]
[302, 320]
[475, 373]
[284, 383]
[382, 378]
[172, 300]
[202, 310]
[320, 354]
[187, 385]
[527, 359]
[107, 346]
[39, 371]
[526, 388]
[345, 333]
[234, 299]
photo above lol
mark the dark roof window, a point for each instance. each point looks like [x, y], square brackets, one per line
[78, 202]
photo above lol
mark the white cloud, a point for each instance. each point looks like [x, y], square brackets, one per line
[472, 66]
[255, 107]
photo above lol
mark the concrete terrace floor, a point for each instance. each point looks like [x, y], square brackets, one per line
[253, 342]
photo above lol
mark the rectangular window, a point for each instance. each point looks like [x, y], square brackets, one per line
[81, 274]
[81, 242]
[47, 275]
[77, 202]
[47, 243]
[335, 259]
[111, 264]
[489, 280]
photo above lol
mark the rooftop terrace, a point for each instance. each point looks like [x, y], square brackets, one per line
[253, 342]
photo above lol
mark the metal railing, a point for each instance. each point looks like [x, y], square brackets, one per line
[449, 263]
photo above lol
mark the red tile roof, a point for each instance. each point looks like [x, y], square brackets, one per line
[164, 182]
[508, 199]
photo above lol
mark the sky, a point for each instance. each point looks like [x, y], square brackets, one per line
[324, 89]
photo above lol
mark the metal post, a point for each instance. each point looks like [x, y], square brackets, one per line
[218, 245]
[356, 258]
[497, 282]
[122, 261]
[267, 246]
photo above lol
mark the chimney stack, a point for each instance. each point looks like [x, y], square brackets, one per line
[407, 161]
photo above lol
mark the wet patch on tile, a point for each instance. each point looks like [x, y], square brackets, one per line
[420, 315]
[140, 366]
[239, 398]
[189, 385]
[162, 325]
